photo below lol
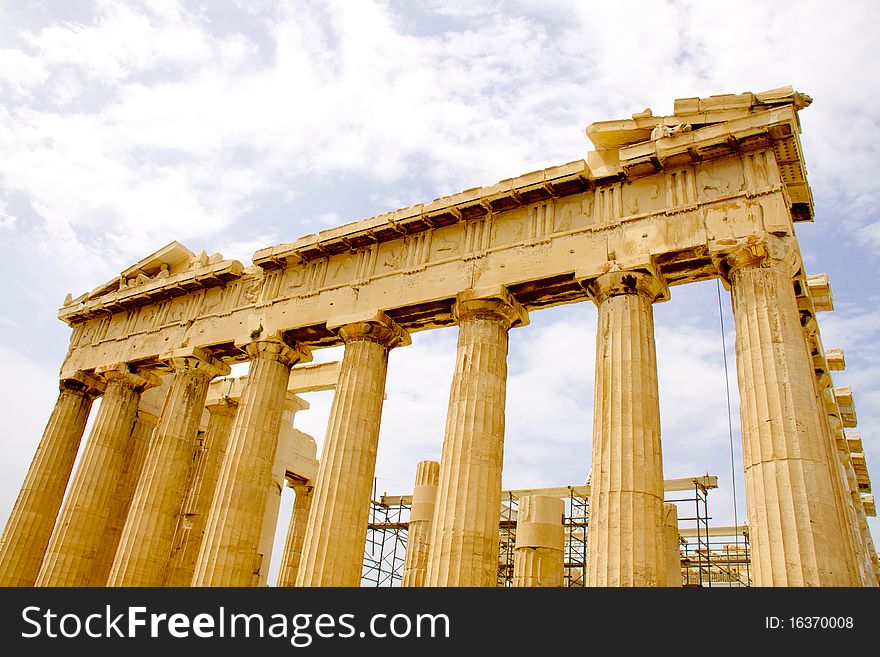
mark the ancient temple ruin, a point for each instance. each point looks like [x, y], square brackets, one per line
[179, 480]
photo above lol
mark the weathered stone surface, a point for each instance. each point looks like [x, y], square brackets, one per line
[333, 547]
[539, 542]
[415, 565]
[671, 545]
[464, 535]
[229, 553]
[145, 547]
[71, 553]
[796, 539]
[625, 542]
[200, 493]
[135, 457]
[26, 536]
[296, 533]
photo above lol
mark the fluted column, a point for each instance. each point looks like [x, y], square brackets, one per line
[464, 533]
[540, 538]
[296, 533]
[421, 514]
[229, 553]
[796, 539]
[333, 548]
[671, 545]
[145, 546]
[26, 536]
[625, 541]
[74, 545]
[135, 456]
[838, 457]
[867, 554]
[833, 439]
[197, 504]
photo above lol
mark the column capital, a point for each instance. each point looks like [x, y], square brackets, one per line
[374, 327]
[147, 417]
[195, 359]
[300, 486]
[83, 383]
[222, 406]
[276, 348]
[644, 280]
[754, 251]
[497, 305]
[125, 374]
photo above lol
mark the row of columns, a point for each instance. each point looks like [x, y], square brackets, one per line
[795, 500]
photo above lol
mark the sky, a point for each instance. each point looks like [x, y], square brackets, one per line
[235, 125]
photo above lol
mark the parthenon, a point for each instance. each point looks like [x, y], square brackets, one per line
[179, 480]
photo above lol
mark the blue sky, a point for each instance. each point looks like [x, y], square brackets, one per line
[231, 126]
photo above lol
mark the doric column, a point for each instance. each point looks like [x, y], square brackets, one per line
[540, 538]
[421, 514]
[625, 542]
[229, 553]
[27, 532]
[284, 458]
[464, 533]
[867, 554]
[74, 545]
[145, 546]
[838, 455]
[796, 538]
[671, 545]
[135, 456]
[197, 504]
[296, 532]
[333, 549]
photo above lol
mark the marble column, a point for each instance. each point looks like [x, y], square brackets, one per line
[671, 545]
[833, 440]
[135, 456]
[75, 541]
[197, 505]
[868, 554]
[796, 539]
[540, 539]
[333, 548]
[421, 514]
[296, 533]
[625, 542]
[229, 554]
[26, 536]
[145, 547]
[464, 535]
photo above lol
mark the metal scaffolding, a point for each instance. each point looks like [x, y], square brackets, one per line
[710, 556]
[385, 549]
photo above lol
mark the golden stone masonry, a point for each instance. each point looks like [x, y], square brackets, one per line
[179, 482]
